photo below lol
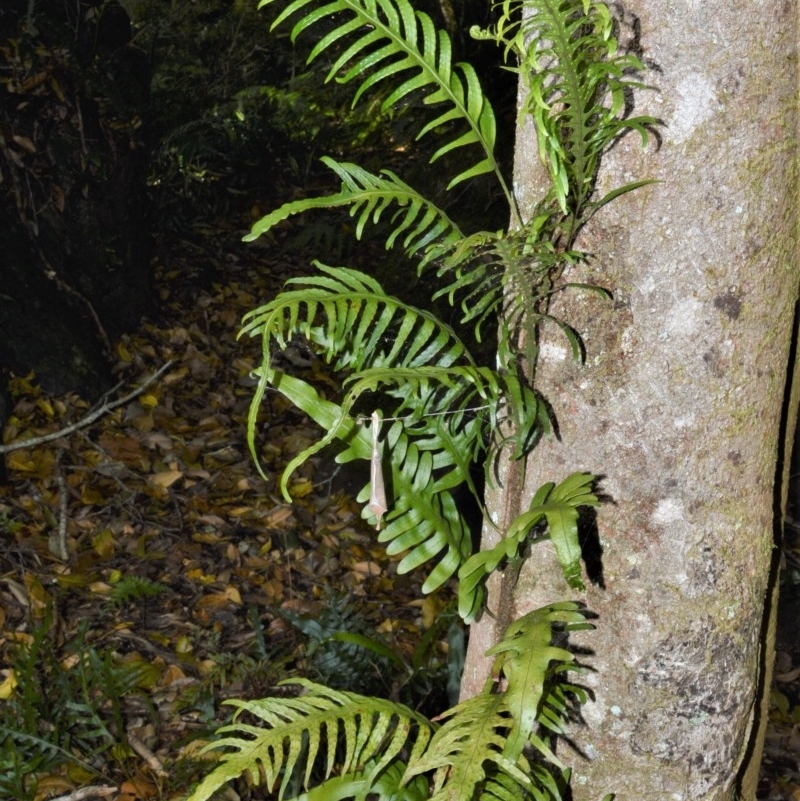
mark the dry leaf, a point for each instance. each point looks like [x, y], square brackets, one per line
[166, 478]
[137, 789]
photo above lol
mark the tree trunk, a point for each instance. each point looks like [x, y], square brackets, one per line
[680, 407]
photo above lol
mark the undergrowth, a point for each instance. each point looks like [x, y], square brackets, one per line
[422, 410]
[65, 709]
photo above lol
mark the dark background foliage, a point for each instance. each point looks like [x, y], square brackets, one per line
[125, 124]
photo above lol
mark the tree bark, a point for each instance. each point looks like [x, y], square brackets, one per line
[681, 407]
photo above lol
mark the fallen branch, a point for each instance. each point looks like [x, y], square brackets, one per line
[88, 419]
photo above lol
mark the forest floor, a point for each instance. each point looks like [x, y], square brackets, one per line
[148, 572]
[188, 579]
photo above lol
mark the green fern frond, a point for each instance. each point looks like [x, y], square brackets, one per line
[426, 391]
[388, 40]
[357, 327]
[386, 787]
[381, 749]
[512, 277]
[422, 228]
[363, 325]
[524, 657]
[418, 497]
[479, 749]
[418, 364]
[502, 787]
[557, 505]
[373, 731]
[576, 84]
[474, 733]
[134, 588]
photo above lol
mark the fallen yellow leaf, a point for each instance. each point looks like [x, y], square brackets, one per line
[301, 488]
[91, 496]
[8, 685]
[123, 353]
[46, 786]
[172, 674]
[148, 401]
[364, 569]
[103, 543]
[137, 788]
[166, 478]
[46, 407]
[430, 611]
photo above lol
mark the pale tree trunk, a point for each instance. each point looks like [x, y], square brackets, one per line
[678, 408]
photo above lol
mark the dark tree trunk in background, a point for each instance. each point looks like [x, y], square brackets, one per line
[74, 253]
[680, 407]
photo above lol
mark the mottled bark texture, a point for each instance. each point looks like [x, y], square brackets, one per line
[678, 407]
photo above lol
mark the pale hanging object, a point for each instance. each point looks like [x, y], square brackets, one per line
[377, 492]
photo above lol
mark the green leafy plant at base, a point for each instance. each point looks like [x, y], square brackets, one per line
[422, 410]
[62, 711]
[132, 588]
[480, 747]
[341, 655]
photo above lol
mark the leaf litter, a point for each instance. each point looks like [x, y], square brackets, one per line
[183, 566]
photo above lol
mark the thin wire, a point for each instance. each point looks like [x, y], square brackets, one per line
[408, 416]
[430, 414]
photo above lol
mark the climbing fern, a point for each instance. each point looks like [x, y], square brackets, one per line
[389, 41]
[382, 748]
[446, 410]
[405, 367]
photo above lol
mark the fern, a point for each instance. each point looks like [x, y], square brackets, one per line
[422, 227]
[445, 410]
[424, 374]
[82, 706]
[576, 86]
[134, 588]
[373, 731]
[383, 748]
[558, 506]
[389, 41]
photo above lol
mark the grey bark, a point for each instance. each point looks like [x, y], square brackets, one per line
[678, 408]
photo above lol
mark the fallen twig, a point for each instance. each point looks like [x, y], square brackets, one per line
[58, 541]
[88, 419]
[153, 762]
[97, 791]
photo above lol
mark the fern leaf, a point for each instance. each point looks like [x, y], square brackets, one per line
[425, 518]
[391, 42]
[428, 373]
[373, 729]
[473, 734]
[558, 506]
[326, 414]
[561, 511]
[501, 787]
[422, 227]
[524, 657]
[576, 87]
[385, 787]
[344, 295]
